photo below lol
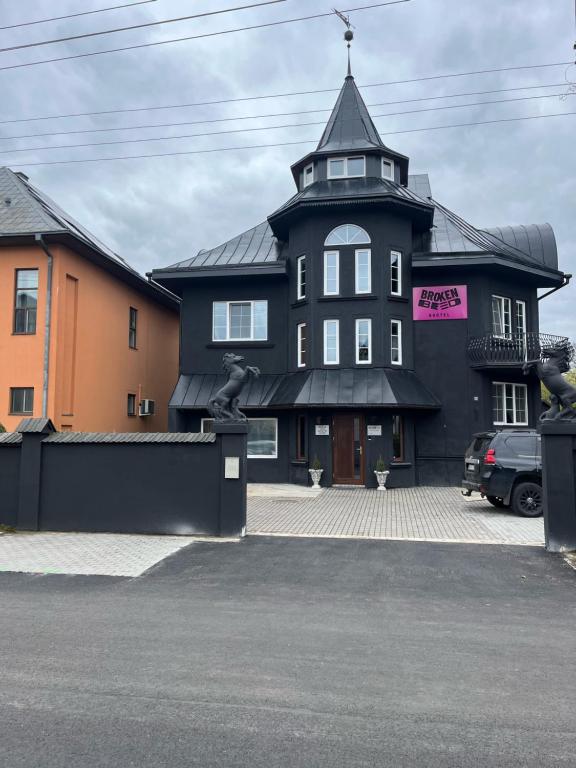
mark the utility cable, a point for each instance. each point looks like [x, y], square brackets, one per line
[285, 143]
[75, 15]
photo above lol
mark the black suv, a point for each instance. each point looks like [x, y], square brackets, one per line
[506, 468]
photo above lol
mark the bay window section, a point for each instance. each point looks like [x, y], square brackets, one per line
[501, 317]
[331, 273]
[240, 321]
[363, 271]
[302, 341]
[510, 404]
[308, 175]
[262, 437]
[387, 169]
[396, 342]
[395, 273]
[331, 342]
[301, 278]
[363, 341]
[346, 167]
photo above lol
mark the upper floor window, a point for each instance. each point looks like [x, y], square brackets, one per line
[301, 277]
[348, 234]
[131, 405]
[395, 273]
[346, 167]
[301, 341]
[240, 321]
[363, 271]
[396, 342]
[501, 316]
[26, 301]
[510, 403]
[22, 400]
[308, 175]
[521, 317]
[331, 342]
[363, 341]
[331, 273]
[387, 169]
[132, 328]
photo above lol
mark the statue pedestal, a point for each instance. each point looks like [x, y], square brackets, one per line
[233, 476]
[559, 484]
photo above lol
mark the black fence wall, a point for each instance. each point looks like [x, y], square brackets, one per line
[559, 485]
[179, 484]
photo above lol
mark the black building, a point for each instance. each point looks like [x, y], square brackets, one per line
[383, 323]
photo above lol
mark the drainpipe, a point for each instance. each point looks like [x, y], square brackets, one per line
[47, 326]
[566, 280]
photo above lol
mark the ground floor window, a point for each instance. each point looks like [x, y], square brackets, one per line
[397, 438]
[301, 429]
[510, 403]
[22, 400]
[262, 437]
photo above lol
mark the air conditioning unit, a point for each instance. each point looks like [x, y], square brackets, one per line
[147, 408]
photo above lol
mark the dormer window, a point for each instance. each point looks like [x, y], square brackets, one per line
[387, 169]
[308, 175]
[346, 167]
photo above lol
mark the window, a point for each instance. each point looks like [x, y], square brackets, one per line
[346, 167]
[397, 438]
[262, 437]
[396, 342]
[331, 273]
[510, 403]
[240, 321]
[26, 301]
[301, 429]
[363, 271]
[501, 316]
[308, 175]
[387, 169]
[521, 317]
[132, 326]
[331, 342]
[348, 234]
[301, 277]
[22, 400]
[131, 410]
[302, 345]
[363, 341]
[395, 273]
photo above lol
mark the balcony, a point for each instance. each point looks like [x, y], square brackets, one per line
[510, 350]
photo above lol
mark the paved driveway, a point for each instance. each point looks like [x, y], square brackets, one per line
[419, 514]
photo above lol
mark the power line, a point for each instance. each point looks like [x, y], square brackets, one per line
[200, 36]
[274, 114]
[75, 15]
[138, 26]
[261, 128]
[151, 108]
[285, 143]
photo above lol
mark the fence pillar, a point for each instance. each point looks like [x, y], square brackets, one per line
[33, 432]
[233, 439]
[559, 484]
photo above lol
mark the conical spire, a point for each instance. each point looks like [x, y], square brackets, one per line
[350, 126]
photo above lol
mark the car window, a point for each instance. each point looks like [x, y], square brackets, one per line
[524, 446]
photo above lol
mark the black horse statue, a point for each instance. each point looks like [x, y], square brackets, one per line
[555, 361]
[224, 405]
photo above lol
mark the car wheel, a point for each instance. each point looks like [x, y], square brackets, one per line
[527, 500]
[496, 501]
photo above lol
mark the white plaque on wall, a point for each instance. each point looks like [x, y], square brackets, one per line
[374, 430]
[231, 468]
[322, 430]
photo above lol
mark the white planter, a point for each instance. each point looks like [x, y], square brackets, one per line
[382, 477]
[315, 474]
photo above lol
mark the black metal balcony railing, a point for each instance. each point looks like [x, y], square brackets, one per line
[514, 348]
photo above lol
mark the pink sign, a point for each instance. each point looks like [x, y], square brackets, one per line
[440, 302]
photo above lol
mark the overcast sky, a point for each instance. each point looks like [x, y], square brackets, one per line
[158, 211]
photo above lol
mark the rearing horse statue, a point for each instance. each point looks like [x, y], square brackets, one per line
[224, 405]
[555, 361]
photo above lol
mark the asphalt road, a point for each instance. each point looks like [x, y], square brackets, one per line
[305, 653]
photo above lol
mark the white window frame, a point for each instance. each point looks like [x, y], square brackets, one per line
[306, 183]
[357, 335]
[357, 252]
[326, 255]
[228, 339]
[347, 240]
[346, 175]
[519, 303]
[337, 360]
[398, 325]
[504, 300]
[269, 418]
[300, 289]
[399, 276]
[392, 168]
[505, 384]
[300, 347]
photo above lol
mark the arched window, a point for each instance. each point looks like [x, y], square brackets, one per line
[348, 234]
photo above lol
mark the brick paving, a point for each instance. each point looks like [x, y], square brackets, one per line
[419, 514]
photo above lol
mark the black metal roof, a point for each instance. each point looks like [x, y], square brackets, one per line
[342, 387]
[350, 126]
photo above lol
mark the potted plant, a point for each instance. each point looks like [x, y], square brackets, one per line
[316, 472]
[381, 473]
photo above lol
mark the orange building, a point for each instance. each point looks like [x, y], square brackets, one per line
[84, 339]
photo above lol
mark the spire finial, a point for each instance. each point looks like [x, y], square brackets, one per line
[348, 35]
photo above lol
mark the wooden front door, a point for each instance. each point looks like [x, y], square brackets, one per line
[348, 449]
